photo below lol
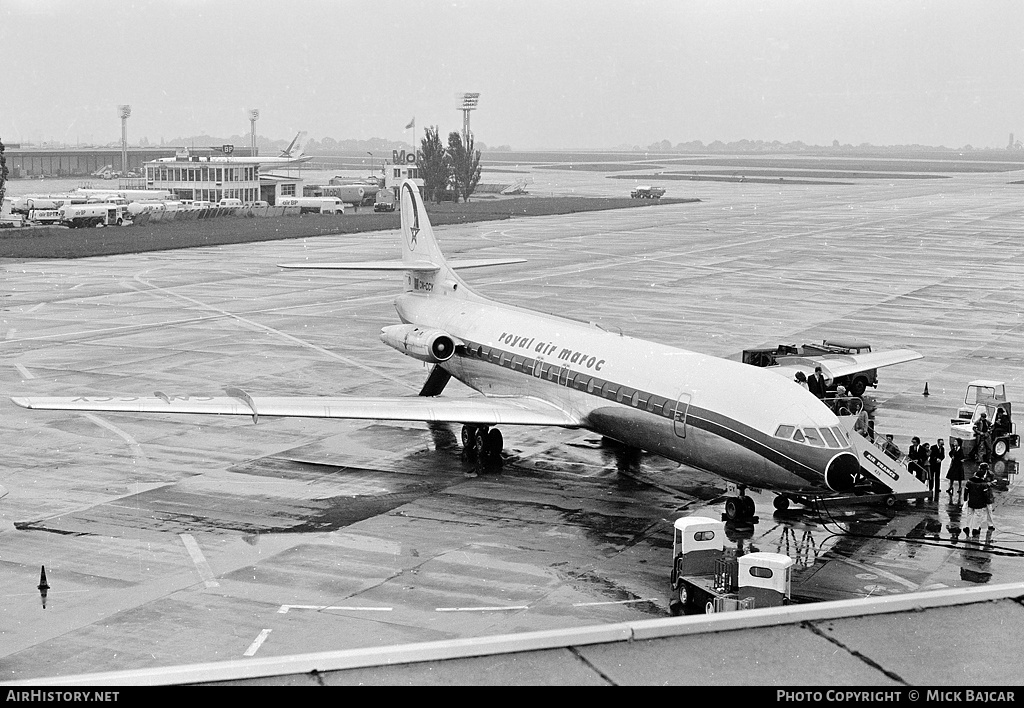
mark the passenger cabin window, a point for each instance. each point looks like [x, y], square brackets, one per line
[635, 399]
[610, 392]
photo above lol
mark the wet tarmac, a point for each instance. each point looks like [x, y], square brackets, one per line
[170, 540]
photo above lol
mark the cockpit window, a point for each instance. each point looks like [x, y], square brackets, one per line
[829, 438]
[813, 437]
[841, 436]
[798, 436]
[785, 432]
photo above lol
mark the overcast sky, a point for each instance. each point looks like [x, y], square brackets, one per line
[551, 74]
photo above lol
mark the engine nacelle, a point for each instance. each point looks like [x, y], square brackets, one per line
[430, 345]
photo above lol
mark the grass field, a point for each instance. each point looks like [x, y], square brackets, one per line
[57, 242]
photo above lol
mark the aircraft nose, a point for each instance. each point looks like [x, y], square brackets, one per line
[841, 472]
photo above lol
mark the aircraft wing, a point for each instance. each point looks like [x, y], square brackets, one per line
[511, 410]
[834, 365]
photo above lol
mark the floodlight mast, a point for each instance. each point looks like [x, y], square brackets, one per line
[469, 101]
[125, 112]
[254, 114]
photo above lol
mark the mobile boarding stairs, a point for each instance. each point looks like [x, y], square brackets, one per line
[883, 478]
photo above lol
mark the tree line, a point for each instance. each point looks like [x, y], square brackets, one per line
[451, 171]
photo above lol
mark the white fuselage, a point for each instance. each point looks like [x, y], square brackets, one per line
[704, 411]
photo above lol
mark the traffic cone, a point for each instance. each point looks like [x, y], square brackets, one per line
[43, 585]
[925, 388]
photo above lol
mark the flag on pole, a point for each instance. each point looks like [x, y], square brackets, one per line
[412, 124]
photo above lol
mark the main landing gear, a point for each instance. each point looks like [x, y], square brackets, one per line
[482, 442]
[740, 507]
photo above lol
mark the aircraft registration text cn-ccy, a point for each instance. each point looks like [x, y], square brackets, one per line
[749, 425]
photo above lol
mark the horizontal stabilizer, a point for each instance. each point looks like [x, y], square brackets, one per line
[400, 265]
[511, 410]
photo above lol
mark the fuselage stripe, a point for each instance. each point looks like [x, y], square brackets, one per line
[643, 401]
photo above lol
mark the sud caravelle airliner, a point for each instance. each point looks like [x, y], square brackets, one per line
[746, 424]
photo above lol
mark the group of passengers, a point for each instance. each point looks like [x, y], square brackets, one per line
[925, 461]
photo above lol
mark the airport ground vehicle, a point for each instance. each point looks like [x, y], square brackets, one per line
[86, 215]
[812, 354]
[44, 216]
[989, 397]
[707, 578]
[385, 201]
[314, 205]
[647, 192]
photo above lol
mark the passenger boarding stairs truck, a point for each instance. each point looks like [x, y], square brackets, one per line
[708, 578]
[885, 476]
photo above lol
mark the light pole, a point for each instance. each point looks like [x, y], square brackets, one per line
[371, 162]
[254, 114]
[125, 111]
[469, 101]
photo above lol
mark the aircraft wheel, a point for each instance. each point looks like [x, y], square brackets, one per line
[781, 503]
[732, 508]
[469, 435]
[709, 608]
[890, 501]
[999, 448]
[480, 443]
[493, 442]
[747, 506]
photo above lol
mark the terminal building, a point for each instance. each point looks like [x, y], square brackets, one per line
[211, 179]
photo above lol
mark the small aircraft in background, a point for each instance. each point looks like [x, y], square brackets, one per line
[746, 424]
[291, 155]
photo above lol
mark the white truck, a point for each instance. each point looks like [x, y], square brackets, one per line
[645, 191]
[87, 215]
[314, 205]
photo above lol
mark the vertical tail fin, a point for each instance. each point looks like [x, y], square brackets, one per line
[294, 148]
[420, 247]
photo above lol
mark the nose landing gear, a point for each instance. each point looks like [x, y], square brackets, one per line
[740, 508]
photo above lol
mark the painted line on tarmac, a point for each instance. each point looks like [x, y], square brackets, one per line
[35, 307]
[481, 609]
[132, 443]
[24, 372]
[199, 560]
[611, 602]
[285, 608]
[258, 642]
[256, 325]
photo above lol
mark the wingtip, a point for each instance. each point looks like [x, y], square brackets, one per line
[23, 402]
